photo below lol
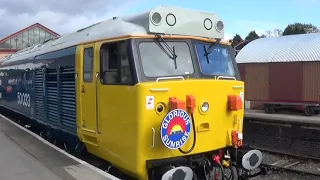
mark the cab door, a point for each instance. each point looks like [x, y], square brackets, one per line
[88, 94]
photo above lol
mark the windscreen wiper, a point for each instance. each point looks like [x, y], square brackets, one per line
[209, 50]
[172, 51]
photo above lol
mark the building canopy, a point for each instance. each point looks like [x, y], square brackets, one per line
[27, 37]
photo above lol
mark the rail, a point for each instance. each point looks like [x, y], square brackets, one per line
[159, 89]
[153, 137]
[286, 145]
[226, 77]
[292, 163]
[237, 87]
[168, 78]
[97, 109]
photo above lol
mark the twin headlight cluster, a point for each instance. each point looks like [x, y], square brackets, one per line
[171, 20]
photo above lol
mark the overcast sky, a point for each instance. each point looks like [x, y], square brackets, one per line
[62, 16]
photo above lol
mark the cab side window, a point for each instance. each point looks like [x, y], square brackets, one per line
[115, 68]
[88, 65]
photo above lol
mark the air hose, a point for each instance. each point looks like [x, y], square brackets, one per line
[222, 171]
[194, 137]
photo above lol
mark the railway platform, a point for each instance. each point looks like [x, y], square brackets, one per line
[26, 156]
[282, 117]
[283, 132]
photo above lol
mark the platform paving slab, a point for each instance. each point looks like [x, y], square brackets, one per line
[24, 157]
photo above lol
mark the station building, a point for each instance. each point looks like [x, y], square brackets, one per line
[26, 37]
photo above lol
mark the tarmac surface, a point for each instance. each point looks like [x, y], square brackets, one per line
[24, 156]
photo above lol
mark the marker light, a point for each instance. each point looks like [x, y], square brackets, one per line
[207, 24]
[171, 19]
[205, 107]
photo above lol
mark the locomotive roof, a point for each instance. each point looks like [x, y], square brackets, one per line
[161, 19]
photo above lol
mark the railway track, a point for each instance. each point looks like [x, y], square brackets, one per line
[289, 147]
[278, 161]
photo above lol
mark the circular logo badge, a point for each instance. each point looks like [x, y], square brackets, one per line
[9, 89]
[175, 129]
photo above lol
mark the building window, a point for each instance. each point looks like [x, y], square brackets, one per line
[88, 65]
[42, 35]
[115, 67]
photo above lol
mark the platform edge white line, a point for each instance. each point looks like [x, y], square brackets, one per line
[103, 173]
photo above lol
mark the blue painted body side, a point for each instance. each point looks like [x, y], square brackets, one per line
[42, 88]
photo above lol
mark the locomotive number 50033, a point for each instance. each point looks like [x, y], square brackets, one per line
[24, 99]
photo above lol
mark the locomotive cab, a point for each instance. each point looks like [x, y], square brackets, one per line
[157, 95]
[193, 102]
[168, 103]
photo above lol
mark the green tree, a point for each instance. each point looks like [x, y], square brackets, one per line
[252, 36]
[236, 40]
[299, 28]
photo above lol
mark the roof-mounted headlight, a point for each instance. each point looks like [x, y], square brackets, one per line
[219, 26]
[156, 18]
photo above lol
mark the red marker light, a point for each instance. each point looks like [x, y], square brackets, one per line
[234, 102]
